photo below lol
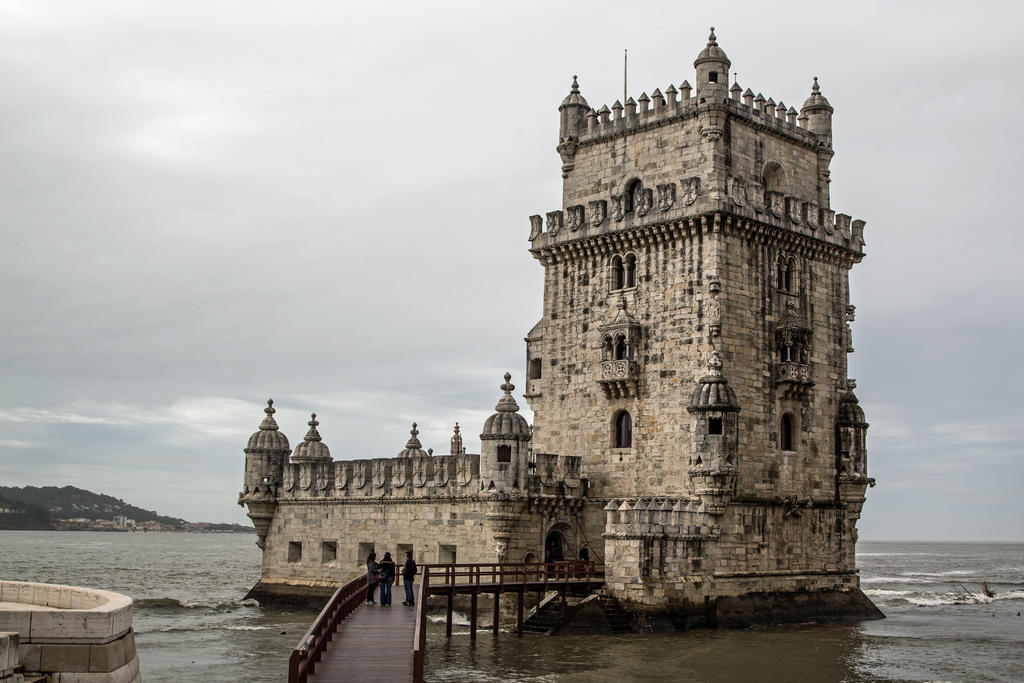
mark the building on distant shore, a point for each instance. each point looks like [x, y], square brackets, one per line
[694, 426]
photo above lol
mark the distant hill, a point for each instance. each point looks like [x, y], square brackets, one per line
[39, 506]
[19, 515]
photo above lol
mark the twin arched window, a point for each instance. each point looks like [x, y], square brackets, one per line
[623, 271]
[623, 430]
[785, 272]
[617, 348]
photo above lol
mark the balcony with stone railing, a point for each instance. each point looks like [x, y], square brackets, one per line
[794, 379]
[619, 377]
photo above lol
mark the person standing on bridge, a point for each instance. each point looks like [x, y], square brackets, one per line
[371, 577]
[408, 571]
[387, 577]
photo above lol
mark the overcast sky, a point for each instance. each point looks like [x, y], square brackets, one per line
[203, 204]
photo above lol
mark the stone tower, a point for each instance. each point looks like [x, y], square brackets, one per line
[265, 455]
[696, 242]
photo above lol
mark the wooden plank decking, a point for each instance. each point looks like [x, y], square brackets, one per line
[373, 644]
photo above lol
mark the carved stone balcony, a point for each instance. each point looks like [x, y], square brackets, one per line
[618, 378]
[793, 378]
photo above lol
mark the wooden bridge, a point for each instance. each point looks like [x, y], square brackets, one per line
[349, 642]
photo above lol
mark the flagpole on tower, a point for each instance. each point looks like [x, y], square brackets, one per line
[625, 62]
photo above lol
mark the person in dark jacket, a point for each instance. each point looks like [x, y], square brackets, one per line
[371, 577]
[408, 572]
[387, 577]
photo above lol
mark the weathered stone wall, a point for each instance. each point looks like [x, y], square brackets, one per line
[71, 633]
[658, 558]
[431, 528]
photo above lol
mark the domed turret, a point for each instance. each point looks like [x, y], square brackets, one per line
[413, 447]
[269, 436]
[715, 425]
[818, 112]
[265, 455]
[572, 114]
[712, 66]
[850, 412]
[506, 421]
[851, 435]
[504, 444]
[312, 448]
[713, 391]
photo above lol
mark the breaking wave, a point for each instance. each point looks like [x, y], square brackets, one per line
[931, 599]
[175, 603]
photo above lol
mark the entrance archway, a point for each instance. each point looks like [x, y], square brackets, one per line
[559, 543]
[554, 547]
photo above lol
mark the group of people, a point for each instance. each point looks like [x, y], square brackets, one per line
[383, 574]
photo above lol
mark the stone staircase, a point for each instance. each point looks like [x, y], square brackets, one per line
[546, 617]
[618, 618]
[579, 615]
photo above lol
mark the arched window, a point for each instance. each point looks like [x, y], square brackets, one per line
[627, 200]
[783, 277]
[621, 351]
[629, 271]
[786, 429]
[623, 430]
[774, 177]
[790, 273]
[607, 348]
[618, 274]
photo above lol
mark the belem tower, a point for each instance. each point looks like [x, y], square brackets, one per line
[694, 425]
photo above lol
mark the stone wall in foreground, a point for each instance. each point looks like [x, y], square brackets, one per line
[71, 634]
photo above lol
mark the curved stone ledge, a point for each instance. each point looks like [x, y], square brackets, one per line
[77, 635]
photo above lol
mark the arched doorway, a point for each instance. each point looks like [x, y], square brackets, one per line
[559, 543]
[554, 547]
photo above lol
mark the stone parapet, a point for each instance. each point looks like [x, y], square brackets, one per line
[75, 635]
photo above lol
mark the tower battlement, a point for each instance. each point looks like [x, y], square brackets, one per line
[668, 158]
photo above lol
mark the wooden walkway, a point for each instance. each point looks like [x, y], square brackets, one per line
[352, 641]
[375, 644]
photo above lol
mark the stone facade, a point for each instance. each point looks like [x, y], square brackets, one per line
[693, 420]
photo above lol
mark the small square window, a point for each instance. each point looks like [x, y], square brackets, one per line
[504, 454]
[328, 551]
[295, 551]
[713, 77]
[714, 425]
[363, 551]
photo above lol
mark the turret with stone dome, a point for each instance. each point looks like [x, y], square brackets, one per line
[312, 448]
[712, 66]
[504, 444]
[413, 447]
[265, 455]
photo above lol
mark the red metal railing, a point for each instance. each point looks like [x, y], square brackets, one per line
[310, 649]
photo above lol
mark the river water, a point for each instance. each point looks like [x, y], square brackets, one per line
[192, 623]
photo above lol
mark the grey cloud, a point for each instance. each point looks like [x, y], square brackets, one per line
[205, 204]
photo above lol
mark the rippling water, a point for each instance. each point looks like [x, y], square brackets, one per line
[192, 624]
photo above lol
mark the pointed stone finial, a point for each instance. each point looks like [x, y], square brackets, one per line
[413, 443]
[269, 423]
[313, 434]
[456, 442]
[712, 41]
[507, 404]
[575, 87]
[814, 88]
